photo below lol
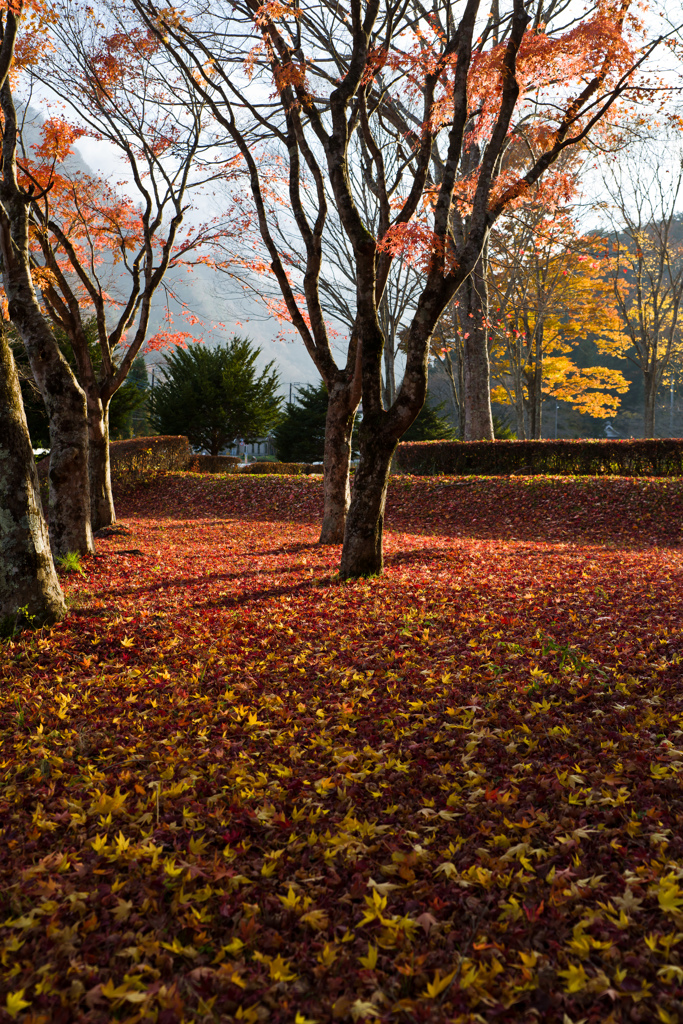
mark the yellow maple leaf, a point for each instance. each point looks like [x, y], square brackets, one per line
[529, 959]
[316, 919]
[15, 1003]
[249, 1014]
[362, 1009]
[291, 900]
[436, 987]
[279, 970]
[327, 955]
[577, 979]
[122, 910]
[369, 961]
[669, 895]
[170, 869]
[128, 642]
[198, 847]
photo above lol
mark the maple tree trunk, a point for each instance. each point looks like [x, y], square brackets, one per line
[519, 411]
[362, 551]
[649, 406]
[336, 489]
[69, 513]
[69, 507]
[537, 397]
[477, 373]
[29, 588]
[534, 424]
[102, 511]
[389, 375]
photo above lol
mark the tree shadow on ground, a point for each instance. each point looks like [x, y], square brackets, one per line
[604, 511]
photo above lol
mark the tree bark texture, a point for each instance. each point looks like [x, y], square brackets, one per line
[477, 372]
[69, 513]
[519, 403]
[362, 550]
[29, 588]
[389, 374]
[69, 507]
[650, 399]
[341, 412]
[102, 511]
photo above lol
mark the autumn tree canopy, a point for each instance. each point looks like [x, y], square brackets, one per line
[319, 88]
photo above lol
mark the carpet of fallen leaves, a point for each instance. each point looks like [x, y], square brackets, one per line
[234, 789]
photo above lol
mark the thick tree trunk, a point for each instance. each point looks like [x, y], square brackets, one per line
[64, 399]
[102, 512]
[69, 509]
[362, 551]
[477, 373]
[341, 412]
[29, 588]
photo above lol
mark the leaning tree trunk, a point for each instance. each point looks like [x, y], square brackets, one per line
[102, 511]
[29, 588]
[477, 372]
[362, 551]
[341, 412]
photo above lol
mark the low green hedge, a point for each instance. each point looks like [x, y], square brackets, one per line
[655, 457]
[282, 468]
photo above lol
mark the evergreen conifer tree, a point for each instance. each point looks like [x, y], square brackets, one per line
[215, 395]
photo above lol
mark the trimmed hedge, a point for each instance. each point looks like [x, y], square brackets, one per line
[140, 457]
[213, 464]
[145, 456]
[655, 457]
[282, 468]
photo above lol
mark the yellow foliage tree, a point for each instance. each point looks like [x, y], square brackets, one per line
[549, 291]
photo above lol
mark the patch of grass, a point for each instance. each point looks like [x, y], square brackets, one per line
[70, 562]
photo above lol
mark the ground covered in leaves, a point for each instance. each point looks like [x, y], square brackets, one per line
[236, 789]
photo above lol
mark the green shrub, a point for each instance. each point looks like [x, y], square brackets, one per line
[430, 425]
[655, 457]
[216, 394]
